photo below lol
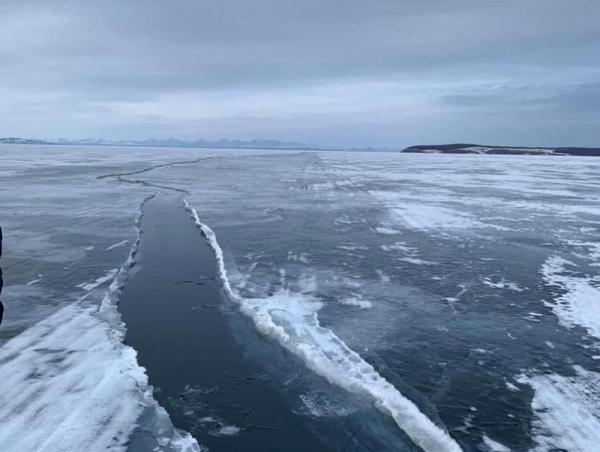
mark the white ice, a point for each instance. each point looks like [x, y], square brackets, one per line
[72, 378]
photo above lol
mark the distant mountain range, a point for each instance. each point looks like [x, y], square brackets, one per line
[22, 141]
[168, 142]
[461, 148]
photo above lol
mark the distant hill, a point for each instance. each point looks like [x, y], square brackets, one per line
[462, 148]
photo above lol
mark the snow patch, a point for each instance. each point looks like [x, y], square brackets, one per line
[567, 410]
[330, 185]
[494, 446]
[580, 305]
[502, 284]
[356, 301]
[225, 430]
[400, 246]
[116, 245]
[384, 277]
[386, 230]
[98, 282]
[512, 387]
[415, 261]
[422, 216]
[298, 257]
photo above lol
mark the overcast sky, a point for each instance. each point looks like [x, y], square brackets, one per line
[333, 72]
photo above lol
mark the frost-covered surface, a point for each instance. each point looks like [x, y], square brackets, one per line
[568, 411]
[65, 373]
[579, 304]
[69, 384]
[421, 284]
[68, 381]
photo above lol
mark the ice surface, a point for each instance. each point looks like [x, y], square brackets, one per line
[301, 233]
[291, 318]
[487, 223]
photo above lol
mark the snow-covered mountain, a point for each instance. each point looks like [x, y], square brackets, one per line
[201, 143]
[16, 140]
[169, 142]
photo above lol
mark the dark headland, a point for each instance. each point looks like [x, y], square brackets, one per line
[462, 148]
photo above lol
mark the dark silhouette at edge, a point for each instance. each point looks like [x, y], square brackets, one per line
[1, 280]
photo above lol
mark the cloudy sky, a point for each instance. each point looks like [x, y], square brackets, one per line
[332, 72]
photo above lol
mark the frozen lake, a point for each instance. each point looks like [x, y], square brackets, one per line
[396, 302]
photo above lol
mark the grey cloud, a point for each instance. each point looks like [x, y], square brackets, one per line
[581, 98]
[71, 56]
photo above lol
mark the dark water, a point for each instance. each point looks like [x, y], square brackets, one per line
[175, 319]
